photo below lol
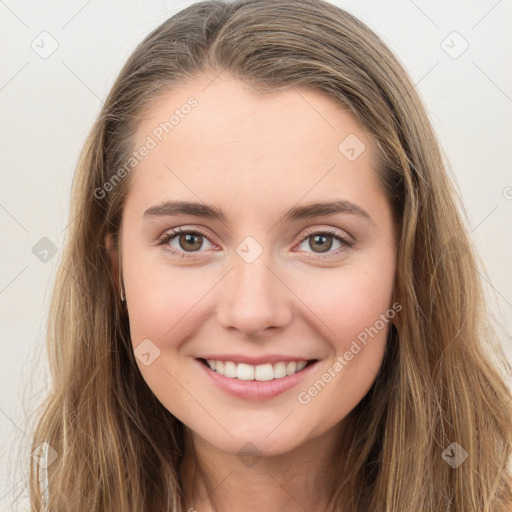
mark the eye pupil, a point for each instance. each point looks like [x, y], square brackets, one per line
[188, 238]
[324, 247]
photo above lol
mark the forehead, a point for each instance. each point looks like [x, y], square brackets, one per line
[217, 137]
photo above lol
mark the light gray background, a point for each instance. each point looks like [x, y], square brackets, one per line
[48, 105]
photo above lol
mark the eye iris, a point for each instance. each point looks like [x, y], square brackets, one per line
[324, 247]
[188, 237]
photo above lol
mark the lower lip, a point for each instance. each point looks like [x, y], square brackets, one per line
[254, 389]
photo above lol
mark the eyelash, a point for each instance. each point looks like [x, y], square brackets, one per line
[167, 237]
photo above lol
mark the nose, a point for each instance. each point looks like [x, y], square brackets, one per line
[255, 299]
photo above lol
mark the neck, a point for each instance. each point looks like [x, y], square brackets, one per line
[217, 481]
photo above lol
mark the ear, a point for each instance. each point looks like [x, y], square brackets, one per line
[113, 255]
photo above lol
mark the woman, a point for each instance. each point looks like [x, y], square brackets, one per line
[268, 299]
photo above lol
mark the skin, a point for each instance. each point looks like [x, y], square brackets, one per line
[255, 157]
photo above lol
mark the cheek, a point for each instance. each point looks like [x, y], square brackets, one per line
[163, 308]
[162, 300]
[349, 300]
[354, 307]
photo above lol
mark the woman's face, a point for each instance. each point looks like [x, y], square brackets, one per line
[254, 278]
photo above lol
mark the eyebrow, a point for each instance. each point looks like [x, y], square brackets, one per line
[173, 208]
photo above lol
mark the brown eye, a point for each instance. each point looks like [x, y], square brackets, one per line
[192, 242]
[321, 242]
[184, 242]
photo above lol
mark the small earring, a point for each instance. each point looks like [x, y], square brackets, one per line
[121, 281]
[121, 288]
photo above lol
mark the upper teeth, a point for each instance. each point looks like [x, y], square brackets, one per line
[261, 372]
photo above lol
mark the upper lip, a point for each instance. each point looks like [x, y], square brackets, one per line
[269, 358]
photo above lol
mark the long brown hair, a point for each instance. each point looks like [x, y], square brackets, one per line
[119, 449]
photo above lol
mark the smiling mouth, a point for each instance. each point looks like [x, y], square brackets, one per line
[261, 372]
